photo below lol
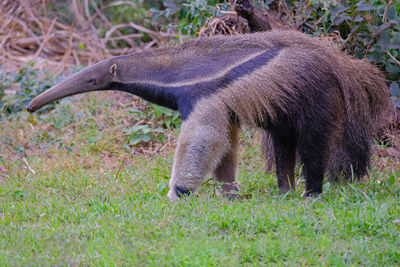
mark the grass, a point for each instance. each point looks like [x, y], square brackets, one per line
[94, 201]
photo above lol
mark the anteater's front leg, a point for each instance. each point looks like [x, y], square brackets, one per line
[225, 173]
[202, 144]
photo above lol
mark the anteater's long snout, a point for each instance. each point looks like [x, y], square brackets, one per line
[56, 92]
[32, 107]
[81, 82]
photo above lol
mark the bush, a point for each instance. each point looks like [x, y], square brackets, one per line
[23, 87]
[369, 28]
[189, 16]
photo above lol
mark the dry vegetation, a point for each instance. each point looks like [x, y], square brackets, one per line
[29, 32]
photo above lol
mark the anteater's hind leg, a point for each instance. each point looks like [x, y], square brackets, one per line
[313, 152]
[285, 159]
[267, 146]
[202, 144]
[225, 173]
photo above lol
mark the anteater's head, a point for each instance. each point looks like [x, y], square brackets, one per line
[100, 76]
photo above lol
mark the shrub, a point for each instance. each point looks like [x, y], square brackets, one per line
[22, 87]
[369, 28]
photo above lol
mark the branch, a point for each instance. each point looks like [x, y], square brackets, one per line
[45, 40]
[384, 19]
[393, 58]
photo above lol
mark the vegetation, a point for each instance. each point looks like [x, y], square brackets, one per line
[369, 28]
[84, 181]
[71, 194]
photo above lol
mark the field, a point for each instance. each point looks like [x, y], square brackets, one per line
[78, 188]
[84, 182]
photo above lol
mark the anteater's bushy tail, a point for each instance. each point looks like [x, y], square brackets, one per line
[366, 102]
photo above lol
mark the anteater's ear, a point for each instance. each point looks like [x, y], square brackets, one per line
[113, 70]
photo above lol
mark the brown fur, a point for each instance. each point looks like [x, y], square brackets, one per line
[362, 94]
[360, 82]
[225, 173]
[364, 98]
[265, 80]
[204, 141]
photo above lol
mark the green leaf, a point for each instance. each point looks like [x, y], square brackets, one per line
[146, 138]
[392, 13]
[340, 18]
[20, 194]
[137, 128]
[158, 111]
[146, 129]
[167, 111]
[396, 37]
[134, 140]
[134, 110]
[391, 180]
[384, 27]
[384, 39]
[363, 7]
[376, 55]
[395, 89]
[335, 12]
[162, 187]
[393, 70]
[158, 130]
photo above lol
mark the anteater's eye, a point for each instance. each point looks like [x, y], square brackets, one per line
[92, 81]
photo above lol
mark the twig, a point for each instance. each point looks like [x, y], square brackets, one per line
[98, 12]
[119, 169]
[108, 23]
[132, 35]
[385, 13]
[28, 30]
[117, 3]
[161, 148]
[77, 61]
[87, 13]
[45, 40]
[113, 29]
[150, 44]
[44, 7]
[29, 166]
[393, 58]
[67, 53]
[298, 25]
[28, 9]
[150, 32]
[79, 18]
[350, 35]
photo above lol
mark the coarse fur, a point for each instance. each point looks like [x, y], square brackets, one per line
[307, 95]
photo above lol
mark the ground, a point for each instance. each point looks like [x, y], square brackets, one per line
[73, 193]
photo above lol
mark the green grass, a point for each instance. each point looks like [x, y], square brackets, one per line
[84, 206]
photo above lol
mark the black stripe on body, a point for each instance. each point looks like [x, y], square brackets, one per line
[183, 98]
